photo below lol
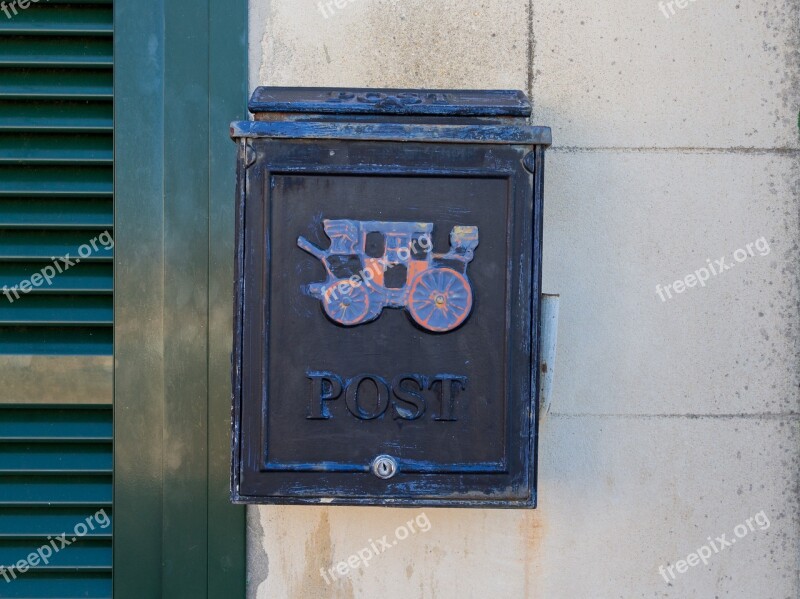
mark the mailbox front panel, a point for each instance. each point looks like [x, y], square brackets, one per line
[385, 301]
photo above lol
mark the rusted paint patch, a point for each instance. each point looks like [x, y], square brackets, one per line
[319, 554]
[532, 531]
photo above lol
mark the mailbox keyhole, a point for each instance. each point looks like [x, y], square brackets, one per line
[384, 466]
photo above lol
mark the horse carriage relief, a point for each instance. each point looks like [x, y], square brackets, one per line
[372, 265]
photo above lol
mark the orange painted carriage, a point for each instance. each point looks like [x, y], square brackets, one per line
[372, 265]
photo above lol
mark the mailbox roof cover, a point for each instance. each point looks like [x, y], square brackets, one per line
[388, 268]
[321, 100]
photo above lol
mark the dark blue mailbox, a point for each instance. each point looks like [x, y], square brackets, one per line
[388, 272]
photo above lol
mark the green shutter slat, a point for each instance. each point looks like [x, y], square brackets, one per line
[55, 423]
[47, 489]
[25, 51]
[56, 181]
[61, 586]
[35, 83]
[49, 213]
[48, 18]
[22, 244]
[84, 278]
[34, 523]
[16, 148]
[54, 458]
[65, 310]
[71, 341]
[58, 115]
[53, 489]
[91, 554]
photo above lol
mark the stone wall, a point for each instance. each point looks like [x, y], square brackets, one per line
[676, 409]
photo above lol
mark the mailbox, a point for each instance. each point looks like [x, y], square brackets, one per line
[387, 294]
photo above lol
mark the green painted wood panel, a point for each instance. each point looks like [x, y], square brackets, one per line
[139, 285]
[228, 90]
[186, 102]
[173, 257]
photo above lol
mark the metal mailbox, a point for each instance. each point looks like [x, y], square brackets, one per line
[387, 294]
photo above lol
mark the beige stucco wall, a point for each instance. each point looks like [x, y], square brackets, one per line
[673, 421]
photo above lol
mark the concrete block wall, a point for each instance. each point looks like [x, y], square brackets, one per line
[674, 420]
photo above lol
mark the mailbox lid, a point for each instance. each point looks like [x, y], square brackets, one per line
[386, 101]
[404, 115]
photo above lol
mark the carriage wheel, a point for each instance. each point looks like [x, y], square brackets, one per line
[440, 299]
[348, 308]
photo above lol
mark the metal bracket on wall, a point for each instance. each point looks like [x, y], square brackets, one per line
[548, 338]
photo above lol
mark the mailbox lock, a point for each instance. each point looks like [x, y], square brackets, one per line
[384, 466]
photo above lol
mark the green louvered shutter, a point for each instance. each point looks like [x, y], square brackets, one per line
[56, 184]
